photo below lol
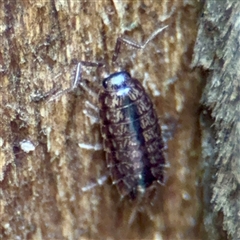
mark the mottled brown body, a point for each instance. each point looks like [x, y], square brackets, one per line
[131, 135]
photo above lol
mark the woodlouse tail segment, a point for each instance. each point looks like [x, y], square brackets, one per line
[160, 174]
[162, 181]
[126, 190]
[124, 181]
[134, 44]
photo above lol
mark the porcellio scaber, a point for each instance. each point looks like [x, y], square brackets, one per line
[131, 134]
[132, 138]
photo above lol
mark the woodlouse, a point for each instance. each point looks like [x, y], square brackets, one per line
[131, 134]
[129, 125]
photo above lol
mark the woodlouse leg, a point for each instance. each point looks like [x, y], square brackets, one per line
[77, 79]
[94, 147]
[99, 182]
[133, 43]
[88, 89]
[92, 112]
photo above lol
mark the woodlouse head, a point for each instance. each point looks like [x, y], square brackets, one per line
[117, 81]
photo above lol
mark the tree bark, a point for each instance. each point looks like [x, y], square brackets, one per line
[217, 50]
[47, 148]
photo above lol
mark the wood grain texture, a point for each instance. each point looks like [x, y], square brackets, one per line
[217, 50]
[40, 194]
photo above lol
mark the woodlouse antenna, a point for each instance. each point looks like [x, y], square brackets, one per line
[78, 74]
[77, 78]
[133, 43]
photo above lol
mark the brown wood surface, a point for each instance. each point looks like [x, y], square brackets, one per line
[40, 194]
